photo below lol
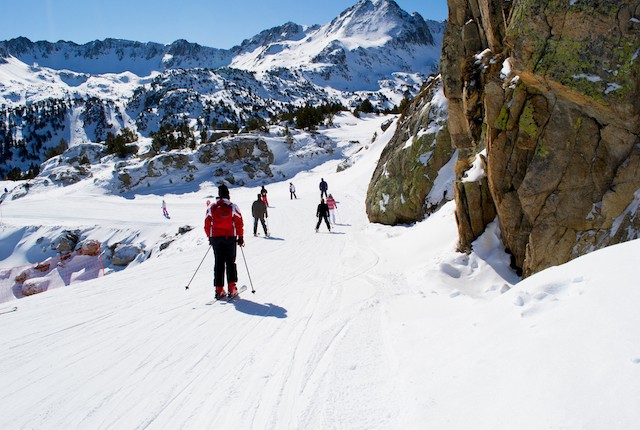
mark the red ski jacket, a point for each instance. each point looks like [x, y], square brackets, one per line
[223, 219]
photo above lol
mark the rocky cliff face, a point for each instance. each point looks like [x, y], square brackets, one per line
[551, 90]
[413, 176]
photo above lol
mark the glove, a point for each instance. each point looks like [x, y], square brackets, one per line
[211, 241]
[241, 240]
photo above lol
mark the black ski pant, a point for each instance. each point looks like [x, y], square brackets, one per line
[224, 251]
[255, 226]
[293, 194]
[323, 193]
[326, 220]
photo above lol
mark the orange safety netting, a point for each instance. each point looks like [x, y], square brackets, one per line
[54, 272]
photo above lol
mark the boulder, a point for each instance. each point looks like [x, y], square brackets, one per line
[89, 247]
[123, 254]
[184, 229]
[66, 242]
[35, 286]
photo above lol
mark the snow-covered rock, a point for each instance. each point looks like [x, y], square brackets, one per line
[123, 254]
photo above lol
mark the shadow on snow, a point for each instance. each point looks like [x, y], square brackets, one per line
[259, 309]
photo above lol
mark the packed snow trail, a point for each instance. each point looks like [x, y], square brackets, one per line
[135, 349]
[369, 327]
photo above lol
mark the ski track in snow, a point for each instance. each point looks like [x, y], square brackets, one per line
[268, 360]
[369, 327]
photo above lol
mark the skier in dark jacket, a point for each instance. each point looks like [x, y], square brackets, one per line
[224, 227]
[323, 214]
[259, 212]
[323, 188]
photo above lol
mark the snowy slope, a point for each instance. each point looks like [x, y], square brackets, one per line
[370, 327]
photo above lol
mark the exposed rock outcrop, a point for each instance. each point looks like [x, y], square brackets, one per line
[73, 165]
[413, 176]
[475, 208]
[228, 157]
[123, 254]
[89, 247]
[551, 90]
[249, 150]
[35, 286]
[66, 242]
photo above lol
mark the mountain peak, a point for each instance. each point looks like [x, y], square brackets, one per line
[381, 20]
[286, 32]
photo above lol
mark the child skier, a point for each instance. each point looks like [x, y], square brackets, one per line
[263, 192]
[333, 206]
[164, 209]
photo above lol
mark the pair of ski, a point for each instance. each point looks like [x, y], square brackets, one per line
[229, 299]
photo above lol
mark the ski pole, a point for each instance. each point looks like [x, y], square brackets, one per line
[253, 290]
[194, 273]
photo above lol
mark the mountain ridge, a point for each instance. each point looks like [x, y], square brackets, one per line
[147, 57]
[81, 93]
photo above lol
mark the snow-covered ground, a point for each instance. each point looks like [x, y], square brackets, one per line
[369, 327]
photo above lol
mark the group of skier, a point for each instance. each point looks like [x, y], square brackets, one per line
[224, 228]
[326, 208]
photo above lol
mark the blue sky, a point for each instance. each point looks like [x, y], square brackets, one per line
[214, 23]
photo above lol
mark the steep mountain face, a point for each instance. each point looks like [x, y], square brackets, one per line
[366, 43]
[374, 51]
[551, 91]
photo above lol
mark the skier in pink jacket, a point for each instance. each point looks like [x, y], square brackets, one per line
[331, 203]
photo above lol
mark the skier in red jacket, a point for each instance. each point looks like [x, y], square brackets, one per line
[224, 228]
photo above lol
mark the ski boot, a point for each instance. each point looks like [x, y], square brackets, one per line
[233, 291]
[220, 294]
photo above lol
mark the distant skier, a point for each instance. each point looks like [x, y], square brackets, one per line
[292, 190]
[323, 188]
[323, 214]
[164, 209]
[263, 192]
[259, 212]
[332, 205]
[224, 227]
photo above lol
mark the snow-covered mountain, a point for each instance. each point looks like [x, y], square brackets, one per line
[113, 56]
[366, 43]
[375, 34]
[79, 93]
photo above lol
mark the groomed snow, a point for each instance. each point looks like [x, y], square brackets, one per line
[370, 327]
